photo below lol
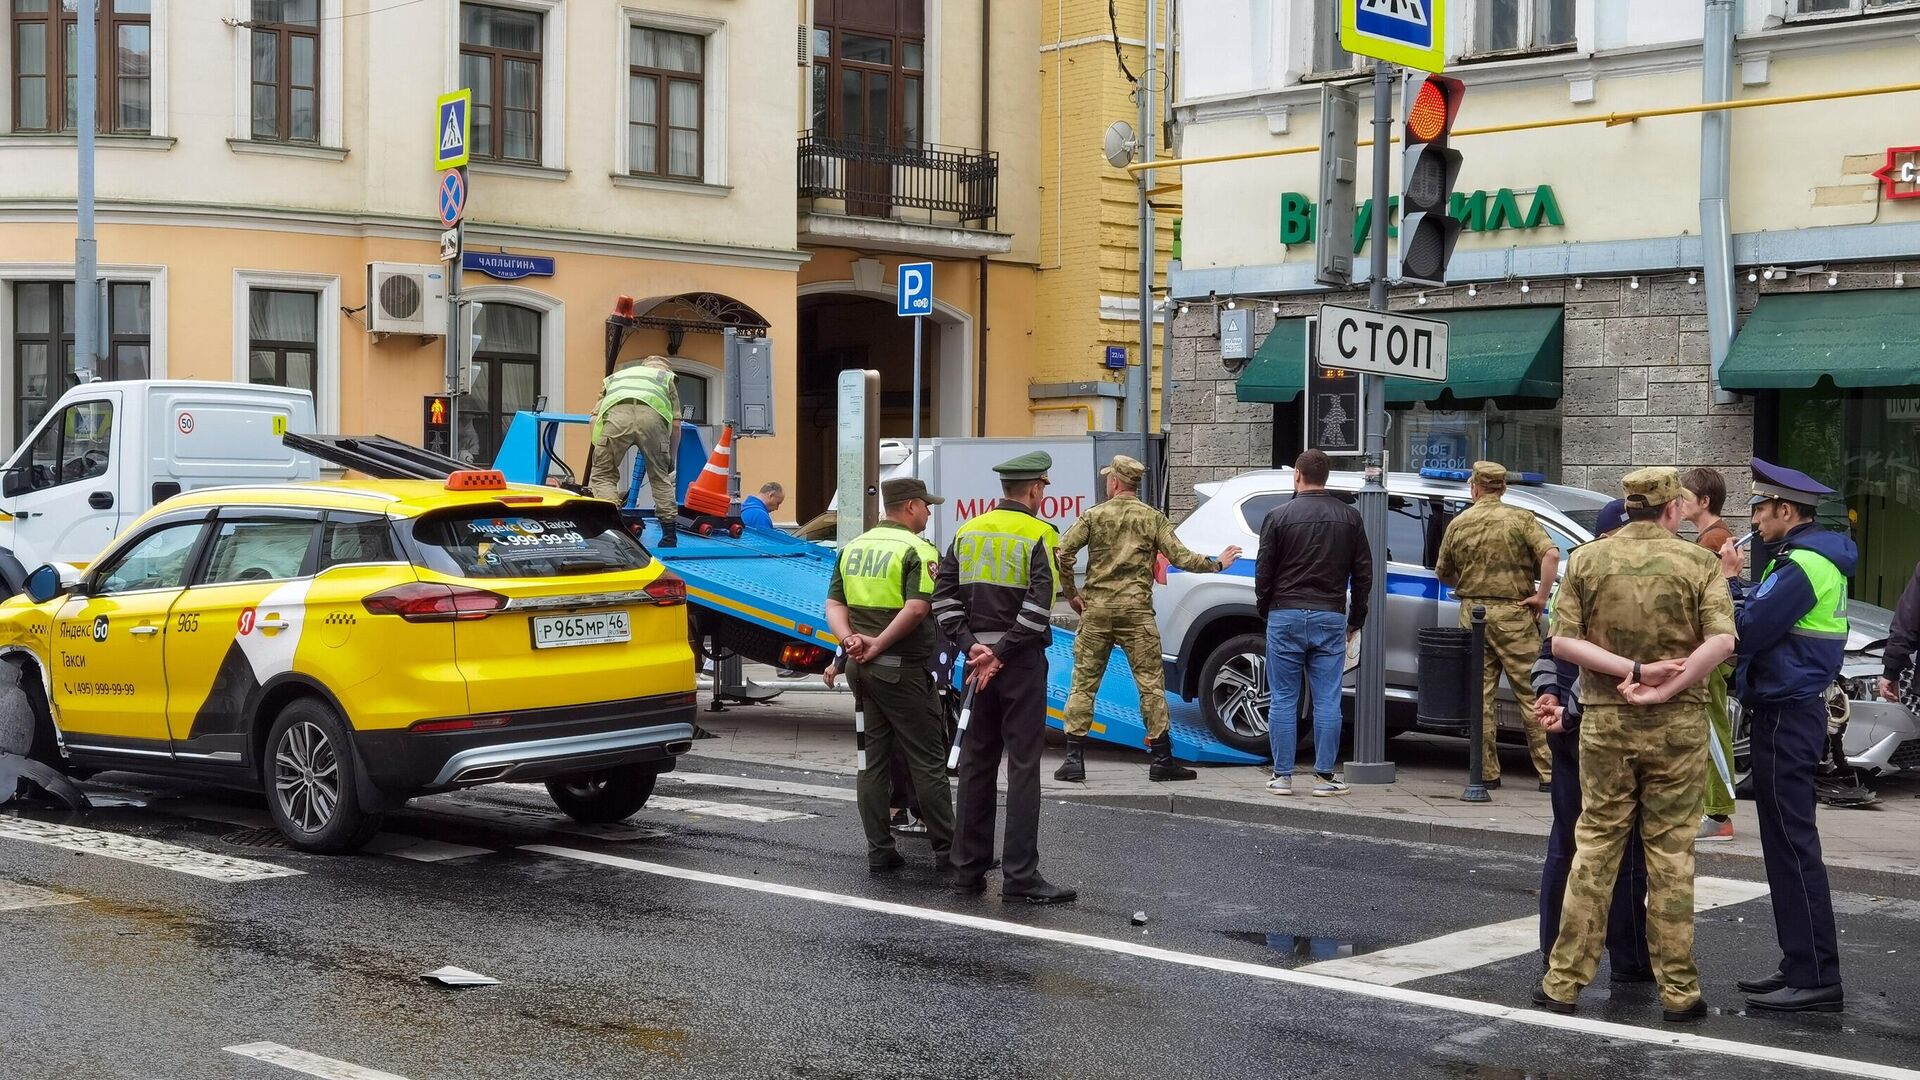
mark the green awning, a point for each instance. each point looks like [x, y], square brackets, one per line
[1861, 337]
[1496, 353]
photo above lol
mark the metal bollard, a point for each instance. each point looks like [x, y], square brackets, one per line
[1476, 790]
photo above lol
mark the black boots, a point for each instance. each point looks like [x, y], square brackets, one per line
[1075, 767]
[1164, 767]
[669, 533]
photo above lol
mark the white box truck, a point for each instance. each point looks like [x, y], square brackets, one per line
[107, 452]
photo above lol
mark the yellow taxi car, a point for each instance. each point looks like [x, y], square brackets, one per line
[345, 646]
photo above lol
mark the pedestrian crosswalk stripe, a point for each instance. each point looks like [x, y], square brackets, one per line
[311, 1064]
[135, 849]
[1491, 944]
[753, 783]
[737, 811]
[17, 897]
[419, 849]
[1604, 1029]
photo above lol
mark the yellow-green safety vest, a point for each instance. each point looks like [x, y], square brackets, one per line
[872, 568]
[996, 548]
[636, 382]
[1828, 616]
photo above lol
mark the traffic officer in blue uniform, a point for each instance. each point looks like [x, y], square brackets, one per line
[1793, 636]
[994, 598]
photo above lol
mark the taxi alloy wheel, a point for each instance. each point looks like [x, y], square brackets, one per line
[311, 777]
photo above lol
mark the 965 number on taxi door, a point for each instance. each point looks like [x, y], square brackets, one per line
[563, 631]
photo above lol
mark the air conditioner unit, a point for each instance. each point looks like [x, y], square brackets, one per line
[407, 298]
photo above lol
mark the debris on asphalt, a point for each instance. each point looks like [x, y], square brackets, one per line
[1139, 918]
[453, 976]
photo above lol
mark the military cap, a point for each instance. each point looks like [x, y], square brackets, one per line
[906, 489]
[1127, 469]
[657, 362]
[1490, 474]
[1611, 516]
[1031, 466]
[1657, 485]
[1772, 481]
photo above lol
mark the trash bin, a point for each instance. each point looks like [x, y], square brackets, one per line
[1445, 690]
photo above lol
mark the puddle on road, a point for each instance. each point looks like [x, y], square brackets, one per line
[1298, 946]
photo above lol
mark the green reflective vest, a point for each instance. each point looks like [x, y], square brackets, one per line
[636, 382]
[1828, 616]
[996, 548]
[872, 566]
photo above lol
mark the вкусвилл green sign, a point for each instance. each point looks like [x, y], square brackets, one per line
[1479, 211]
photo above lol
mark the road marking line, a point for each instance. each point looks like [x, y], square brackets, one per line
[311, 1064]
[737, 811]
[1491, 944]
[750, 783]
[1400, 995]
[17, 897]
[136, 849]
[420, 849]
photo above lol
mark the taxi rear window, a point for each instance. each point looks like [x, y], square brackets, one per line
[541, 542]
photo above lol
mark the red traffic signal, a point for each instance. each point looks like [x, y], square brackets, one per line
[1429, 169]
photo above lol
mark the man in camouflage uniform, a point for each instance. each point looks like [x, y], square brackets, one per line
[1490, 556]
[639, 409]
[1122, 535]
[1647, 617]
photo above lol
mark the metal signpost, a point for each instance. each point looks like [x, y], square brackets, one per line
[453, 138]
[1413, 33]
[914, 300]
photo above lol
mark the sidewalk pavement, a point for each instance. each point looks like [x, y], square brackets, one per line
[1875, 851]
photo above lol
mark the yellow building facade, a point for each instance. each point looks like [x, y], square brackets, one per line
[1089, 216]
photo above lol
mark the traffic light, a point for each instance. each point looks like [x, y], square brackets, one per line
[1428, 170]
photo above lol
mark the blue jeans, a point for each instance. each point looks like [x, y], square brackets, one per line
[1313, 642]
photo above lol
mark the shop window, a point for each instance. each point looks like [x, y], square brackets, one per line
[1510, 26]
[505, 379]
[43, 343]
[500, 61]
[46, 55]
[283, 327]
[1525, 440]
[285, 66]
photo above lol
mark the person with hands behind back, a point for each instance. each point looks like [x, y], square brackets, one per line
[1631, 607]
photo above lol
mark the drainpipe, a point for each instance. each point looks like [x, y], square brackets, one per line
[86, 260]
[980, 319]
[1716, 228]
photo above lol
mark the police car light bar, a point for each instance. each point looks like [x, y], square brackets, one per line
[1464, 475]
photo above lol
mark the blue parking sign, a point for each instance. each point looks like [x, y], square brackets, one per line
[915, 295]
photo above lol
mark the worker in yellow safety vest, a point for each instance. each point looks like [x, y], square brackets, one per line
[638, 407]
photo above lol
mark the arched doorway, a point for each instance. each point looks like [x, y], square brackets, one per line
[843, 329]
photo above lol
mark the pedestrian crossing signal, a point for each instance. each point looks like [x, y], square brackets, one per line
[1429, 168]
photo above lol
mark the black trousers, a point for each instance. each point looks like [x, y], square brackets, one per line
[1788, 741]
[1010, 717]
[1627, 917]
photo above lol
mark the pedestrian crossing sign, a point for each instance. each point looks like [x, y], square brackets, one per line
[1411, 33]
[453, 129]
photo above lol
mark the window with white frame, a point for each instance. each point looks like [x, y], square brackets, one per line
[1506, 26]
[666, 91]
[1328, 56]
[283, 339]
[500, 61]
[1836, 8]
[45, 53]
[284, 70]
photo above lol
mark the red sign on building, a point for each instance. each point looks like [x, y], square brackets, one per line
[1901, 173]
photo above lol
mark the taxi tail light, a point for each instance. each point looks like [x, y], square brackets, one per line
[426, 601]
[668, 591]
[464, 723]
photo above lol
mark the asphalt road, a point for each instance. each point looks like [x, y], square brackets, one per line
[735, 932]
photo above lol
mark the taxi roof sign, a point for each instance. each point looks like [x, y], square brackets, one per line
[1411, 33]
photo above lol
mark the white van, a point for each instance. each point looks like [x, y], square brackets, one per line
[106, 452]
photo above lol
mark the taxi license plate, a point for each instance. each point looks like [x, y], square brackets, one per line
[563, 631]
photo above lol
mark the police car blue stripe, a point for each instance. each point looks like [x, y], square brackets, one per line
[1399, 583]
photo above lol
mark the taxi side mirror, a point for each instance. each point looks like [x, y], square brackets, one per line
[51, 580]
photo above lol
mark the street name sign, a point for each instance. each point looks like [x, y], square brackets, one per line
[1411, 33]
[452, 129]
[1379, 343]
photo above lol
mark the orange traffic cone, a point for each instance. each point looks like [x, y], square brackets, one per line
[708, 492]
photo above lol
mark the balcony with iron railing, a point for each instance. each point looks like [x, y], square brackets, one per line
[914, 197]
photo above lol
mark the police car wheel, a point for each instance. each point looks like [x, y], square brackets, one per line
[1234, 695]
[600, 798]
[311, 781]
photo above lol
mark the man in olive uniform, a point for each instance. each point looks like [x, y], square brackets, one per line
[1633, 605]
[639, 406]
[1793, 638]
[994, 597]
[1492, 555]
[877, 605]
[1122, 535]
